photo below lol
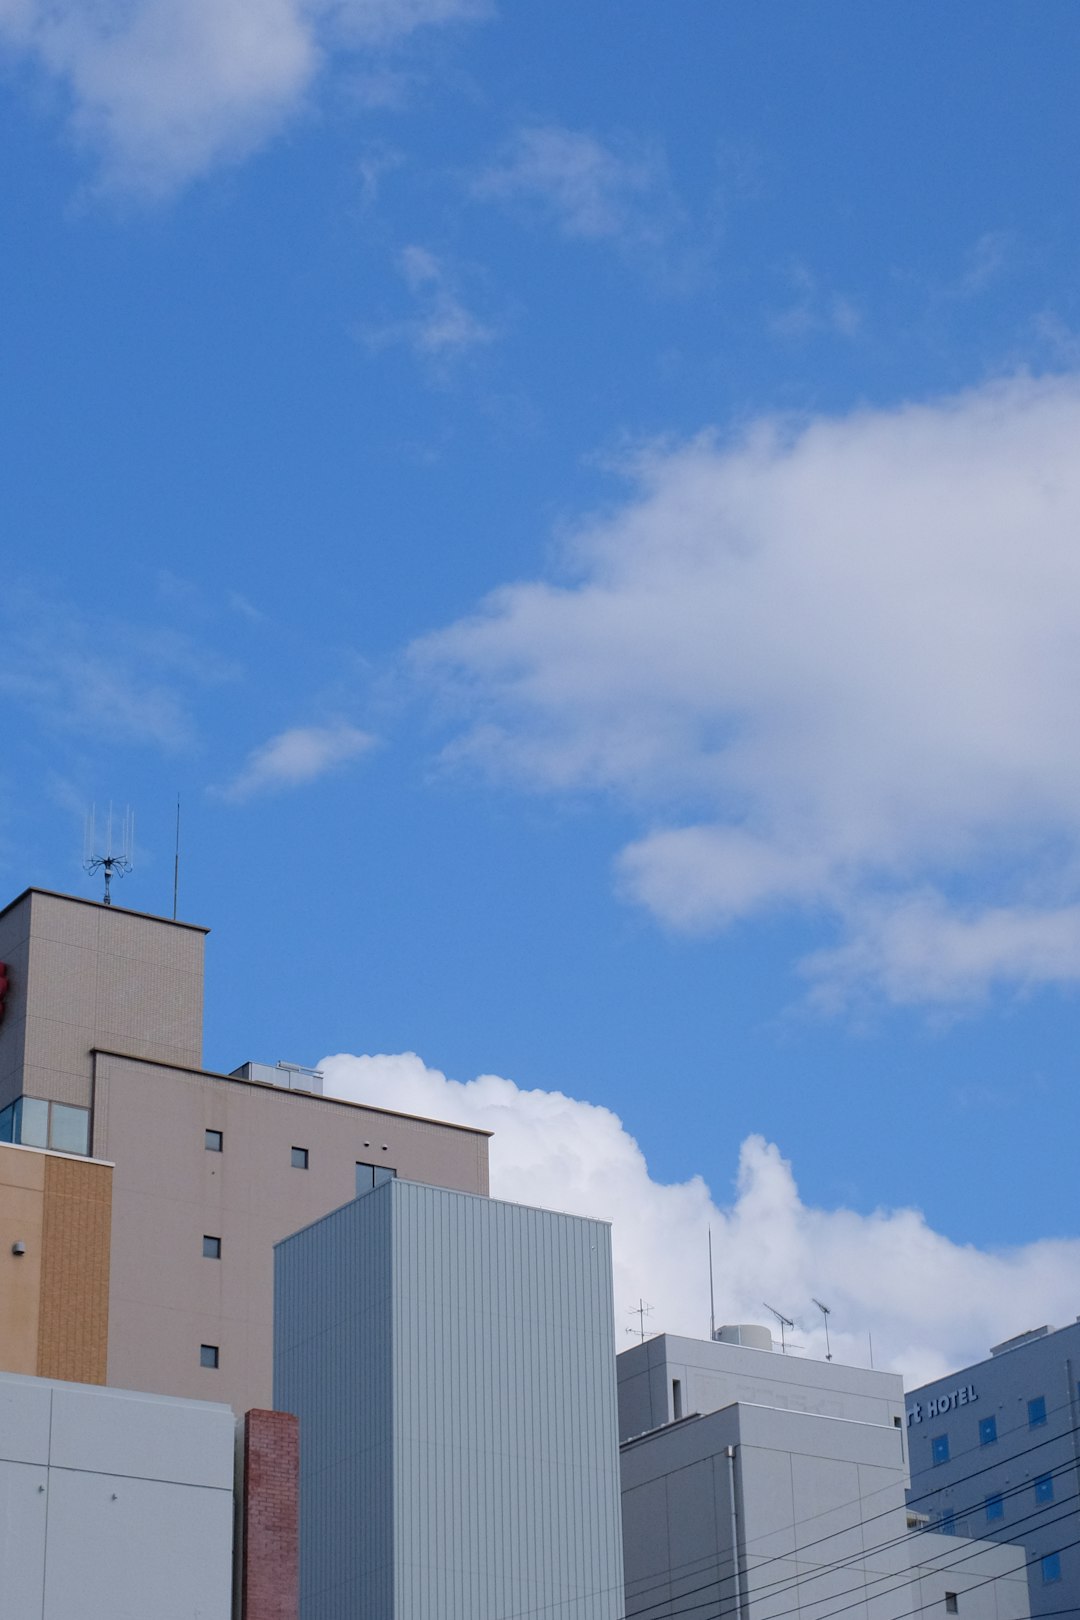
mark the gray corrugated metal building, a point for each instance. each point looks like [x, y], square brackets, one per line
[452, 1363]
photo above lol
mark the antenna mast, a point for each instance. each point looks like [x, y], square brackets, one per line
[641, 1311]
[176, 862]
[826, 1313]
[784, 1321]
[113, 858]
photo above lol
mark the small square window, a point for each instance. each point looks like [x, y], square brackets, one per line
[211, 1247]
[952, 1603]
[1051, 1568]
[939, 1449]
[995, 1508]
[209, 1355]
[987, 1431]
[299, 1158]
[1037, 1412]
[1044, 1488]
[213, 1141]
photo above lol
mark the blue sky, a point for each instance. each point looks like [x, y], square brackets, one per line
[581, 504]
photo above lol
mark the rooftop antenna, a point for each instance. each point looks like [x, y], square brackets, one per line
[118, 852]
[641, 1311]
[826, 1313]
[784, 1321]
[176, 863]
[712, 1296]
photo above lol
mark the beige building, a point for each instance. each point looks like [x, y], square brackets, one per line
[101, 1053]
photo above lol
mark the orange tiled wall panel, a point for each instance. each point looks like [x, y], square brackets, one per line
[73, 1334]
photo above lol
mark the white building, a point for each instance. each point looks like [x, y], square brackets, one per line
[757, 1485]
[113, 1505]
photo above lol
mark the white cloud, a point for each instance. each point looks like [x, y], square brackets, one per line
[594, 190]
[834, 663]
[94, 677]
[163, 89]
[443, 328]
[931, 1305]
[296, 757]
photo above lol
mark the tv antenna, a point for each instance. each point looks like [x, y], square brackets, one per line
[118, 854]
[826, 1313]
[784, 1321]
[712, 1294]
[641, 1311]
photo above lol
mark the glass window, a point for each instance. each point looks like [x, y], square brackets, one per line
[299, 1158]
[947, 1524]
[995, 1508]
[987, 1431]
[69, 1128]
[211, 1248]
[1051, 1568]
[213, 1141]
[209, 1355]
[32, 1121]
[952, 1603]
[939, 1449]
[1037, 1412]
[1044, 1488]
[7, 1123]
[372, 1175]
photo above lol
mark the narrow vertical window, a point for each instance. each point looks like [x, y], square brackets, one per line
[939, 1449]
[987, 1431]
[211, 1247]
[952, 1603]
[1037, 1412]
[676, 1398]
[1051, 1568]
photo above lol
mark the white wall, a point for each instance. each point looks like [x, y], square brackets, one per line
[113, 1505]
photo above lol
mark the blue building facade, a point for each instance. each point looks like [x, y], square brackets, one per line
[995, 1453]
[452, 1363]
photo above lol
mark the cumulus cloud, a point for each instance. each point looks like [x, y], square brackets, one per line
[833, 663]
[163, 89]
[932, 1305]
[296, 757]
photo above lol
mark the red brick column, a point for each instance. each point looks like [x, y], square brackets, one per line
[270, 1570]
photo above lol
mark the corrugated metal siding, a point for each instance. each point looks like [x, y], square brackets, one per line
[506, 1478]
[452, 1363]
[333, 1368]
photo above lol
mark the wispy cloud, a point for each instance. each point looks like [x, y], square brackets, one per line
[96, 678]
[295, 758]
[814, 309]
[443, 329]
[591, 189]
[161, 90]
[557, 1151]
[833, 664]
